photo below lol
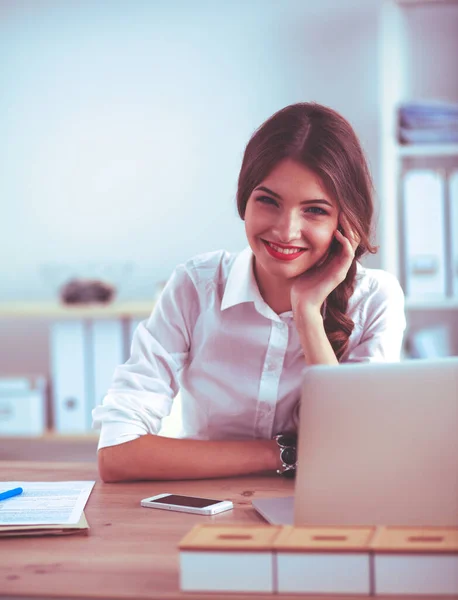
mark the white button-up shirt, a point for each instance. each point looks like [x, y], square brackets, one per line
[237, 364]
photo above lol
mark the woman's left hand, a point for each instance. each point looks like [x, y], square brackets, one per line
[311, 289]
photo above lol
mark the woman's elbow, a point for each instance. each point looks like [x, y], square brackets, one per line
[106, 466]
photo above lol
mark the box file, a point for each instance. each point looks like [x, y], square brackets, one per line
[69, 354]
[105, 354]
[424, 231]
[228, 559]
[416, 561]
[323, 560]
[375, 561]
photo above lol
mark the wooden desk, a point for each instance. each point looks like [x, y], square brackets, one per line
[130, 552]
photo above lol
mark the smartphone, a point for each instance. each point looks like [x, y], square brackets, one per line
[188, 504]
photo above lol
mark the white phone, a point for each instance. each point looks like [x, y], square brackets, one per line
[188, 504]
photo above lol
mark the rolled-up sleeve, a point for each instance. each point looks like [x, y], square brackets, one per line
[144, 387]
[381, 323]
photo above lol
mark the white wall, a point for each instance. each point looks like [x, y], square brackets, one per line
[123, 126]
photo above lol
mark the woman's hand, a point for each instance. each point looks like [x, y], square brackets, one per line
[311, 289]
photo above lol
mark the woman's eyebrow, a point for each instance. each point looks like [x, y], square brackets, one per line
[262, 188]
[317, 201]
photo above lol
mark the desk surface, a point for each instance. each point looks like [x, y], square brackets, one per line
[130, 552]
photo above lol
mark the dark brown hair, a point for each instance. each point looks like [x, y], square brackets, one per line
[321, 139]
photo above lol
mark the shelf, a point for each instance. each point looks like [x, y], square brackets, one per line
[446, 304]
[428, 150]
[55, 310]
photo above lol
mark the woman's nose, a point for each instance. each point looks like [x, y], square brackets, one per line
[289, 227]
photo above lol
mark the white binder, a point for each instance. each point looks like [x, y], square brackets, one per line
[106, 353]
[453, 197]
[424, 230]
[69, 381]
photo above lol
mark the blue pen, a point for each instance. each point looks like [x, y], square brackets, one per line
[11, 493]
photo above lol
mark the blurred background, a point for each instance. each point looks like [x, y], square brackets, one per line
[123, 127]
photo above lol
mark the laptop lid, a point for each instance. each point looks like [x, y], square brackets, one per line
[378, 444]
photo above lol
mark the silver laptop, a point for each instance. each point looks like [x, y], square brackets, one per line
[378, 445]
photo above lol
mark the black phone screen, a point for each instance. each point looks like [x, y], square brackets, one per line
[189, 501]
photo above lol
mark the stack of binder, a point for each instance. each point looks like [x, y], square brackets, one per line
[84, 356]
[429, 122]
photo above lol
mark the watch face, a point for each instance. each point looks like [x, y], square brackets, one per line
[287, 439]
[288, 456]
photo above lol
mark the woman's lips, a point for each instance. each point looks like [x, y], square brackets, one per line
[292, 254]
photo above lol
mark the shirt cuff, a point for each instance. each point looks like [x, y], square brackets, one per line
[126, 416]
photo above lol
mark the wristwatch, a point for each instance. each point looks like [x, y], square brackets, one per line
[287, 443]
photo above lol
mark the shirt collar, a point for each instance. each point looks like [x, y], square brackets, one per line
[241, 286]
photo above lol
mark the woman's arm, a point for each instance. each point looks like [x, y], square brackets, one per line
[314, 341]
[160, 458]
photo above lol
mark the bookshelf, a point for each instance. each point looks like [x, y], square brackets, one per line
[54, 445]
[417, 61]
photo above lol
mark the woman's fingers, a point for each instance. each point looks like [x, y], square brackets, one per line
[348, 232]
[347, 244]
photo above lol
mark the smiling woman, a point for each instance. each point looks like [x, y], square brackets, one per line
[311, 172]
[232, 332]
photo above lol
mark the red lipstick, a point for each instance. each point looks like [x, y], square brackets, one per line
[281, 255]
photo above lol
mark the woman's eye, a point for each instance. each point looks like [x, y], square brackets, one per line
[266, 200]
[316, 210]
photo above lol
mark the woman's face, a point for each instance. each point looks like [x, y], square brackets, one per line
[290, 221]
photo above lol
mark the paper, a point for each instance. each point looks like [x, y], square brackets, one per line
[81, 527]
[44, 503]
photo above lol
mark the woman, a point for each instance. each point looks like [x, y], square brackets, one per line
[233, 332]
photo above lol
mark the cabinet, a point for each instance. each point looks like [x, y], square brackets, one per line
[418, 52]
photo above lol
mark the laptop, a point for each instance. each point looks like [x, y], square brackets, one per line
[377, 445]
